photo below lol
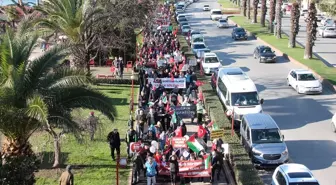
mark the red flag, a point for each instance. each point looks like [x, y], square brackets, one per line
[166, 152]
[213, 147]
[178, 132]
[195, 102]
[157, 158]
[192, 138]
[168, 107]
[201, 131]
[181, 66]
[210, 124]
[200, 95]
[199, 83]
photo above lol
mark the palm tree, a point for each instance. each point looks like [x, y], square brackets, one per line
[271, 15]
[38, 94]
[278, 17]
[244, 7]
[255, 11]
[311, 31]
[295, 18]
[263, 13]
[249, 9]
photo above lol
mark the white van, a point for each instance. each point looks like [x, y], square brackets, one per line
[237, 92]
[215, 14]
[210, 63]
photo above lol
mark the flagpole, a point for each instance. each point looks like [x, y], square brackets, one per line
[232, 123]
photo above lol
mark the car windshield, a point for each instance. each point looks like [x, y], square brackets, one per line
[304, 183]
[244, 99]
[184, 23]
[182, 19]
[216, 12]
[195, 32]
[306, 77]
[206, 5]
[211, 60]
[186, 27]
[266, 136]
[266, 50]
[240, 30]
[198, 40]
[222, 21]
[199, 46]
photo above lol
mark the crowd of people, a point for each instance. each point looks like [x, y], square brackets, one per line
[156, 121]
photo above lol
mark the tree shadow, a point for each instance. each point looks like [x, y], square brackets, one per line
[47, 159]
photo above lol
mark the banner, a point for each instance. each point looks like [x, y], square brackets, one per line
[216, 134]
[185, 111]
[168, 83]
[135, 147]
[187, 169]
[179, 142]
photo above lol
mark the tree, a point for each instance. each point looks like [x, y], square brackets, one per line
[244, 7]
[255, 11]
[38, 93]
[278, 16]
[295, 26]
[271, 16]
[263, 13]
[328, 6]
[311, 30]
[249, 9]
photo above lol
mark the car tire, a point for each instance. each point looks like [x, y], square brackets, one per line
[260, 61]
[333, 127]
[288, 82]
[297, 89]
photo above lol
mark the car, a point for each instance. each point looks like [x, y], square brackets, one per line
[181, 19]
[183, 24]
[304, 81]
[195, 32]
[239, 33]
[319, 17]
[333, 123]
[303, 12]
[178, 12]
[293, 173]
[327, 32]
[185, 29]
[210, 63]
[196, 38]
[215, 14]
[327, 21]
[198, 46]
[264, 54]
[222, 23]
[206, 7]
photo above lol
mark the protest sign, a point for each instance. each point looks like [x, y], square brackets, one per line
[185, 111]
[192, 62]
[216, 134]
[179, 142]
[135, 147]
[195, 168]
[168, 83]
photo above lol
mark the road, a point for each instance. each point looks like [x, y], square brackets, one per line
[324, 47]
[303, 119]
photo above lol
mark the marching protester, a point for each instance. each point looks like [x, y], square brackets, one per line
[151, 171]
[131, 136]
[92, 125]
[138, 164]
[114, 140]
[174, 169]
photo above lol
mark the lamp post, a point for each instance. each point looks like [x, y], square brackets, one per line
[132, 92]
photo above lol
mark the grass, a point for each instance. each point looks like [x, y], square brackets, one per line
[297, 53]
[95, 166]
[139, 37]
[227, 4]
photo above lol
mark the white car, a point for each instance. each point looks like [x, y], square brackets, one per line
[304, 81]
[216, 14]
[222, 23]
[333, 123]
[293, 173]
[206, 7]
[210, 63]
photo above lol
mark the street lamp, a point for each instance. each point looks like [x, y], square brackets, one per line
[132, 92]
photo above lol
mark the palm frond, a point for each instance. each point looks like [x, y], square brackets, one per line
[37, 109]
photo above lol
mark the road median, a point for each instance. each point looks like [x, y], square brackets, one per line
[325, 73]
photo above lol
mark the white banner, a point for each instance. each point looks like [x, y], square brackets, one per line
[167, 83]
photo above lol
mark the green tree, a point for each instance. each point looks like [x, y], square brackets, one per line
[263, 13]
[271, 16]
[38, 94]
[248, 9]
[295, 26]
[311, 30]
[328, 6]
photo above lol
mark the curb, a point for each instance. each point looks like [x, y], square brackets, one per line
[324, 81]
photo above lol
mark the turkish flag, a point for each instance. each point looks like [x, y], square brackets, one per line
[178, 132]
[200, 95]
[201, 131]
[210, 124]
[157, 158]
[213, 147]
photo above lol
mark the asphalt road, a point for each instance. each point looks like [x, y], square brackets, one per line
[303, 119]
[324, 47]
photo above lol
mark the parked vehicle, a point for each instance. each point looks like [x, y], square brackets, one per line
[319, 17]
[292, 173]
[262, 139]
[196, 38]
[328, 32]
[222, 23]
[237, 92]
[216, 14]
[185, 29]
[198, 46]
[210, 63]
[304, 81]
[181, 19]
[206, 7]
[333, 123]
[327, 22]
[195, 32]
[239, 33]
[304, 12]
[264, 54]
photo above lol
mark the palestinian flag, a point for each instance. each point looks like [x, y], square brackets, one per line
[164, 99]
[194, 145]
[207, 161]
[174, 118]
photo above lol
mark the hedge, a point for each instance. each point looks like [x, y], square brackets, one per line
[244, 171]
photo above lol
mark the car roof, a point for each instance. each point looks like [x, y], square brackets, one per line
[222, 20]
[198, 43]
[260, 121]
[210, 55]
[263, 47]
[187, 25]
[216, 10]
[197, 31]
[291, 168]
[302, 71]
[236, 80]
[206, 5]
[197, 36]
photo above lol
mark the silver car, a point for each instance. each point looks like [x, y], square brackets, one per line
[222, 23]
[328, 32]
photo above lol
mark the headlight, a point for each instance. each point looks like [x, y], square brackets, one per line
[285, 152]
[237, 35]
[262, 57]
[301, 86]
[256, 152]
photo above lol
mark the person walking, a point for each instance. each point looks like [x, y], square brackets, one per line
[141, 120]
[131, 136]
[92, 125]
[121, 67]
[200, 110]
[67, 178]
[138, 163]
[114, 140]
[151, 171]
[174, 169]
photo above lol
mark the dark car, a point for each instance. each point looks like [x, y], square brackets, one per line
[239, 33]
[182, 19]
[264, 54]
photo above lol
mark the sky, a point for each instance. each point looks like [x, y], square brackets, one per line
[6, 2]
